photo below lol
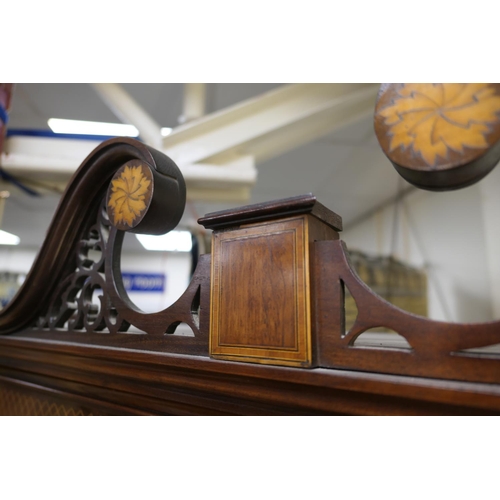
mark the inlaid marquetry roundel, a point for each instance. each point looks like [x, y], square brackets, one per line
[440, 136]
[129, 195]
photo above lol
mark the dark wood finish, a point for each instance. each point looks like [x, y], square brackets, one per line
[271, 210]
[255, 273]
[278, 281]
[260, 291]
[18, 398]
[77, 211]
[66, 309]
[164, 384]
[437, 348]
[440, 136]
[261, 280]
[71, 314]
[191, 308]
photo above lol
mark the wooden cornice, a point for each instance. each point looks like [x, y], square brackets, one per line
[152, 383]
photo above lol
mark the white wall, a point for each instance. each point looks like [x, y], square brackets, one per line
[16, 260]
[445, 232]
[490, 192]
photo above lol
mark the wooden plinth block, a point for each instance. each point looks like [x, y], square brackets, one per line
[260, 285]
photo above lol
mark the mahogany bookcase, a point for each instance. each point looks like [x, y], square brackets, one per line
[266, 310]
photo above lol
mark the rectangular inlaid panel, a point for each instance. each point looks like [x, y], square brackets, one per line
[260, 294]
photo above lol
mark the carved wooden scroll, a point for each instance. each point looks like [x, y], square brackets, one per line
[122, 186]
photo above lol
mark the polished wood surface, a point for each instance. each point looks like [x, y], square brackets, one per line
[272, 293]
[440, 136]
[260, 290]
[88, 302]
[173, 384]
[19, 398]
[76, 214]
[437, 349]
[260, 212]
[260, 304]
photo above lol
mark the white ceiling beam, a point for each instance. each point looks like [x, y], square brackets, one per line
[234, 195]
[216, 153]
[270, 124]
[53, 160]
[49, 157]
[45, 155]
[240, 172]
[130, 112]
[194, 103]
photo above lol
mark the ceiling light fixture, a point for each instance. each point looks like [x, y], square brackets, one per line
[166, 131]
[60, 126]
[9, 238]
[175, 241]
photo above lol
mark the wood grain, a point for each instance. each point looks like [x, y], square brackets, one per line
[437, 348]
[260, 292]
[257, 271]
[19, 398]
[163, 384]
[259, 212]
[129, 194]
[440, 136]
[261, 308]
[272, 294]
[76, 213]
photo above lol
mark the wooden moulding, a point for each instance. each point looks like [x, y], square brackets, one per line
[111, 381]
[260, 284]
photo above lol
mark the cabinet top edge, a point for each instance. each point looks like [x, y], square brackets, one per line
[303, 204]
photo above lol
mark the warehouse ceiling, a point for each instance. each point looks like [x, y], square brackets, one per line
[345, 169]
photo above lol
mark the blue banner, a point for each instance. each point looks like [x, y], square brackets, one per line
[144, 282]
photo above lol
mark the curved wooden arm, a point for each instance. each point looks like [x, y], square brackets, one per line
[83, 195]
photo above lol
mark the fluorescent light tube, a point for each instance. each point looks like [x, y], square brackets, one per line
[60, 126]
[8, 238]
[175, 241]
